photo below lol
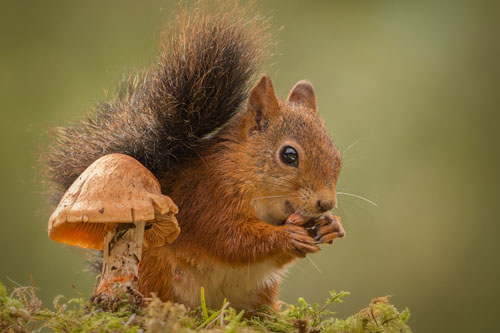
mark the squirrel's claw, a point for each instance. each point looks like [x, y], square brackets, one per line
[300, 243]
[329, 228]
[296, 219]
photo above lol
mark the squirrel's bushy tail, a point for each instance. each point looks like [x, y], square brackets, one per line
[208, 56]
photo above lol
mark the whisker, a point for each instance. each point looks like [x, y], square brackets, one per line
[281, 185]
[275, 196]
[289, 180]
[305, 182]
[314, 265]
[353, 144]
[303, 270]
[359, 197]
[299, 208]
[357, 207]
[341, 213]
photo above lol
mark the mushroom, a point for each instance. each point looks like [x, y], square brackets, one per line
[107, 208]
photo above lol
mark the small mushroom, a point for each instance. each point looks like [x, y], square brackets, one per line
[107, 208]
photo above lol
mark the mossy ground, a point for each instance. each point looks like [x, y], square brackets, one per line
[22, 311]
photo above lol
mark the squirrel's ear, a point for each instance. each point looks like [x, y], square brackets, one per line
[303, 94]
[262, 103]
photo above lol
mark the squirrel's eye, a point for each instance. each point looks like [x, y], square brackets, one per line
[289, 155]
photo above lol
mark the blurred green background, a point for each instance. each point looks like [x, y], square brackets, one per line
[409, 90]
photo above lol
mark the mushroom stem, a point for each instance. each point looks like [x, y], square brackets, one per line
[121, 257]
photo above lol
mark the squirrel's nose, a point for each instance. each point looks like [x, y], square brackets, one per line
[325, 205]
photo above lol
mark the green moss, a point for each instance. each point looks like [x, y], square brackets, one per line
[22, 311]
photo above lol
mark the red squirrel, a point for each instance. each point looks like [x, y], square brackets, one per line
[254, 177]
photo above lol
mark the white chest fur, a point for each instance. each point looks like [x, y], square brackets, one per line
[238, 284]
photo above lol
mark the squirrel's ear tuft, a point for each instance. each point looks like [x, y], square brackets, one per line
[303, 94]
[262, 103]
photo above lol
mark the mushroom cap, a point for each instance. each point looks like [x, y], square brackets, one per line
[116, 188]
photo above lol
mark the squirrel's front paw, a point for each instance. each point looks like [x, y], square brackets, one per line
[299, 242]
[327, 227]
